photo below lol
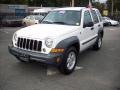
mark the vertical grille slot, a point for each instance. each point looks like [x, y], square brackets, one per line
[21, 42]
[35, 45]
[18, 43]
[24, 42]
[39, 45]
[29, 44]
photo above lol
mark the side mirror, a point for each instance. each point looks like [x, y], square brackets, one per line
[40, 21]
[90, 24]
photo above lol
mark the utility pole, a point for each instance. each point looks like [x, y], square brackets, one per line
[73, 3]
[112, 8]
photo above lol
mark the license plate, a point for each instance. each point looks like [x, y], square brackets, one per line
[24, 57]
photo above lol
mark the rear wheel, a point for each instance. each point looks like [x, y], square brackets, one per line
[98, 43]
[24, 24]
[109, 24]
[69, 61]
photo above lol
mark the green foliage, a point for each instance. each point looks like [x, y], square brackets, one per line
[52, 3]
[48, 3]
[81, 3]
[13, 1]
[116, 5]
[98, 5]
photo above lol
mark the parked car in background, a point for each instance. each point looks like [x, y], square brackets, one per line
[32, 19]
[105, 22]
[42, 11]
[110, 22]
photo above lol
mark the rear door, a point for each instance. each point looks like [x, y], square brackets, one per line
[100, 19]
[96, 21]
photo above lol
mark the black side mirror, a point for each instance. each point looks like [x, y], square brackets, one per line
[90, 24]
[40, 21]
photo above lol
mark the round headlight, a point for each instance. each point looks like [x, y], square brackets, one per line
[48, 42]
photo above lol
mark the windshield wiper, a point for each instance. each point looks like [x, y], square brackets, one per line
[47, 22]
[60, 23]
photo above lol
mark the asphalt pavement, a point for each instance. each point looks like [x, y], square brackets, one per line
[100, 69]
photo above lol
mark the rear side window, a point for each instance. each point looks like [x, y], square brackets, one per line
[99, 15]
[31, 17]
[95, 17]
[87, 17]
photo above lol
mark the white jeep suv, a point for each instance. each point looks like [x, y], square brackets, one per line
[59, 38]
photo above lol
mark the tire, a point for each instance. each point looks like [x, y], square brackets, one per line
[67, 66]
[109, 24]
[98, 43]
[24, 24]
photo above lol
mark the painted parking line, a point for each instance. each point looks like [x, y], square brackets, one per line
[54, 71]
[78, 68]
[113, 29]
[3, 31]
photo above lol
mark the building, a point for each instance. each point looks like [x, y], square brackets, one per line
[13, 10]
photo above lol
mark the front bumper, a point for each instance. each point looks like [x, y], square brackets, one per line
[40, 57]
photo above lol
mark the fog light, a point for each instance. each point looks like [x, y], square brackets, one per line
[44, 50]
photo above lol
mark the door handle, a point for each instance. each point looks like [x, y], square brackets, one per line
[92, 28]
[99, 25]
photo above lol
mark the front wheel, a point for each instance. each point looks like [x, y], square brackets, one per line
[69, 61]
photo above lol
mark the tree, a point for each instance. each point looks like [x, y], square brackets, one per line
[113, 3]
[81, 3]
[100, 6]
[13, 1]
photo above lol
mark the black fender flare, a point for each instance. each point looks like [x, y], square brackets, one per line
[101, 31]
[68, 42]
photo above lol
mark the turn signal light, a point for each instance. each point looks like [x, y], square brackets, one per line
[57, 50]
[58, 60]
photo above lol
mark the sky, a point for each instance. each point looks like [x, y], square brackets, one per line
[102, 1]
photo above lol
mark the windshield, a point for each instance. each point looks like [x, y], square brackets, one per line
[106, 18]
[64, 17]
[39, 17]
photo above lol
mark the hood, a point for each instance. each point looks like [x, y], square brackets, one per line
[43, 31]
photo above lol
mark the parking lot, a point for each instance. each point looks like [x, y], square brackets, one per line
[100, 69]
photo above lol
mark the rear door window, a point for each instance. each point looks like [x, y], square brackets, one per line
[99, 15]
[95, 17]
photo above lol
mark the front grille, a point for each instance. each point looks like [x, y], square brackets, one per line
[29, 44]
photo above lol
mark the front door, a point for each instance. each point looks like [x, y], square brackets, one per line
[87, 37]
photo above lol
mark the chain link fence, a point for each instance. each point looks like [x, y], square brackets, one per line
[11, 19]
